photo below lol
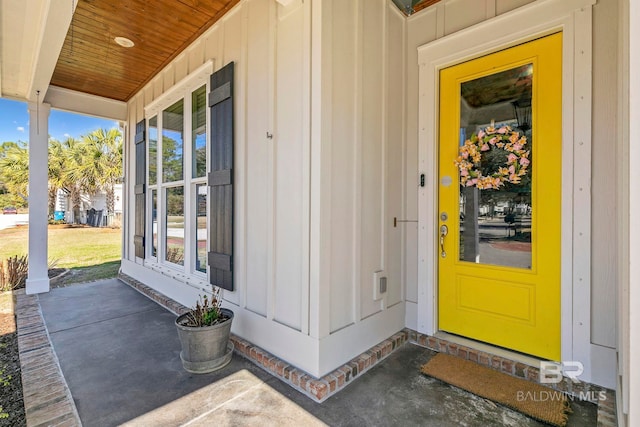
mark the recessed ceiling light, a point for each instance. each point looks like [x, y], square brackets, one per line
[124, 42]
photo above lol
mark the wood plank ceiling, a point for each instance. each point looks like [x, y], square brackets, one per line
[92, 62]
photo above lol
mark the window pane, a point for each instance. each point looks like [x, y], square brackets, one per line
[199, 137]
[153, 150]
[174, 230]
[497, 148]
[154, 222]
[172, 140]
[201, 228]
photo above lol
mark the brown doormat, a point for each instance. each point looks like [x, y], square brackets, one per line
[534, 400]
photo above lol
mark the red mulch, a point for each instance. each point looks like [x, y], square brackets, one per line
[10, 380]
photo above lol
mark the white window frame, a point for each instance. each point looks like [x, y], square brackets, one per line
[149, 199]
[184, 89]
[191, 209]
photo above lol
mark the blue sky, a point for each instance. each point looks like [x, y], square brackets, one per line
[14, 123]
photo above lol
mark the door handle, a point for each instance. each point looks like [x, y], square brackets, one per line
[444, 230]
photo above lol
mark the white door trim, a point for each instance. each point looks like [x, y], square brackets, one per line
[537, 19]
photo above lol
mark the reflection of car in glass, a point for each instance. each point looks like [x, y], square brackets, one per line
[9, 210]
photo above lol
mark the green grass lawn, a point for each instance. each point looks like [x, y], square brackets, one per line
[91, 253]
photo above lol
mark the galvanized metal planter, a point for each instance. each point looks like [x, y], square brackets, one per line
[207, 348]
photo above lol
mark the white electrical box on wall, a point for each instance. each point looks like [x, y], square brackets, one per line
[379, 285]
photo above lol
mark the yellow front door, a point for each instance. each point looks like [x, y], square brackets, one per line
[500, 145]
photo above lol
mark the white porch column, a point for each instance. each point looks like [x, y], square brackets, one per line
[38, 279]
[631, 295]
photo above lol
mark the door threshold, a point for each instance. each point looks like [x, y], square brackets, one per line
[491, 349]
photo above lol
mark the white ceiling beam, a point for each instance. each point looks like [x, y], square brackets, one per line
[52, 28]
[83, 103]
[16, 46]
[31, 37]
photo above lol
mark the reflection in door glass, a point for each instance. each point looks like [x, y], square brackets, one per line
[174, 225]
[172, 142]
[154, 223]
[495, 168]
[201, 227]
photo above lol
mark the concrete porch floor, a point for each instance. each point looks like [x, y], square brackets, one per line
[119, 354]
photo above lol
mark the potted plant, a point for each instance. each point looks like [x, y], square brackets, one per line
[204, 335]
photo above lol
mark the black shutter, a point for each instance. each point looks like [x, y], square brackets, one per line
[220, 179]
[141, 172]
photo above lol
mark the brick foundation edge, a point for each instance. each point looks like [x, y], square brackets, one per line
[47, 399]
[320, 389]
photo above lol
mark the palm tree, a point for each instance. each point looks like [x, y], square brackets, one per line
[103, 162]
[73, 180]
[77, 166]
[57, 166]
[14, 168]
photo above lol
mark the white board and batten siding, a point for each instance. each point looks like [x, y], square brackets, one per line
[270, 46]
[336, 85]
[274, 306]
[360, 165]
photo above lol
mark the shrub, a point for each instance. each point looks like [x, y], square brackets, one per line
[175, 255]
[13, 272]
[8, 199]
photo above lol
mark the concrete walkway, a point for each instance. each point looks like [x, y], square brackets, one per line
[119, 354]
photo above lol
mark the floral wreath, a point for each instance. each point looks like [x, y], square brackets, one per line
[509, 142]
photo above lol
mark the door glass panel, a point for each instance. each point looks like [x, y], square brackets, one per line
[494, 166]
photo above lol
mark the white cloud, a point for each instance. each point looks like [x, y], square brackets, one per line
[20, 129]
[66, 135]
